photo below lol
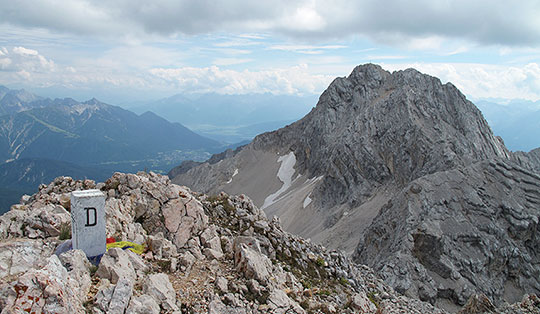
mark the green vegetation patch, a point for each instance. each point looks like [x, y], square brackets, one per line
[52, 127]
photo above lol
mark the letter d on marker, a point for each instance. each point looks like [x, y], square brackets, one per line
[93, 221]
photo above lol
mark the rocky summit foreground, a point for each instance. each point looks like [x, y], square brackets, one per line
[205, 254]
[403, 173]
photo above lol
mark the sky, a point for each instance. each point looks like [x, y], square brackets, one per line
[122, 51]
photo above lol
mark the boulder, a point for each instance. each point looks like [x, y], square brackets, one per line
[47, 290]
[143, 304]
[121, 295]
[252, 264]
[362, 303]
[160, 288]
[116, 264]
[20, 255]
[184, 217]
[78, 267]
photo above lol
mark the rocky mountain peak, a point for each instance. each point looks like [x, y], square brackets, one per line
[12, 101]
[375, 126]
[405, 172]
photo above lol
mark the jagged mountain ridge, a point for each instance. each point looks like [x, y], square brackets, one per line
[13, 101]
[90, 133]
[362, 120]
[371, 135]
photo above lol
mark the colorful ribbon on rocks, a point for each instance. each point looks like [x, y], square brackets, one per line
[126, 245]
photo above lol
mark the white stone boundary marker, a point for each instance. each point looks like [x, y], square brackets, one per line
[88, 222]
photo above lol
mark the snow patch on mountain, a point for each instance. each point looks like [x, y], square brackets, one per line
[234, 174]
[285, 174]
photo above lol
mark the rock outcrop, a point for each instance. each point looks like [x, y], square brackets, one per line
[530, 160]
[204, 254]
[447, 236]
[404, 173]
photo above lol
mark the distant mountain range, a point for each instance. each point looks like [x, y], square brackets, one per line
[231, 118]
[92, 133]
[88, 139]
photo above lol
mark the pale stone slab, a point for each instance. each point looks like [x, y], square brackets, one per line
[88, 222]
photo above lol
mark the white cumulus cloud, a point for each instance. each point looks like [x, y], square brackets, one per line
[484, 80]
[24, 61]
[292, 80]
[25, 51]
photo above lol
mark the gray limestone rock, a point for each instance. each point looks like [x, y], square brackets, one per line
[121, 295]
[47, 290]
[362, 303]
[470, 230]
[20, 255]
[160, 288]
[78, 267]
[143, 304]
[252, 263]
[104, 295]
[116, 264]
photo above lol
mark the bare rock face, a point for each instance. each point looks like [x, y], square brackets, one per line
[47, 290]
[153, 206]
[159, 287]
[404, 173]
[20, 255]
[456, 233]
[373, 127]
[530, 160]
[115, 265]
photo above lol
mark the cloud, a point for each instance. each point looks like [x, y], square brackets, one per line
[242, 42]
[396, 22]
[134, 68]
[118, 69]
[24, 61]
[229, 51]
[292, 80]
[484, 81]
[24, 51]
[5, 63]
[484, 21]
